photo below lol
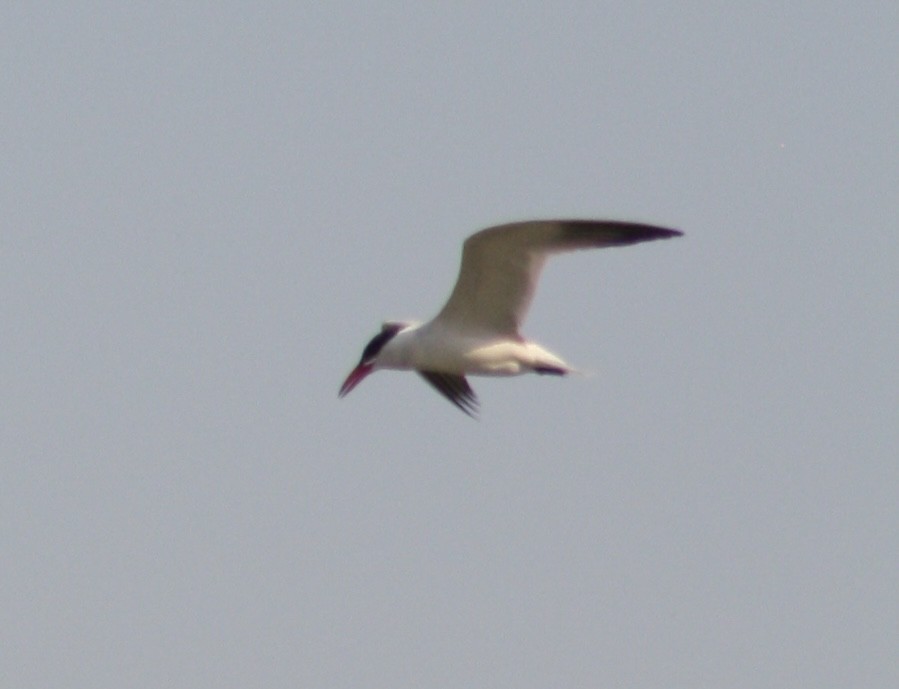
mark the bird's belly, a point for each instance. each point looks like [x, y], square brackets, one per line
[497, 359]
[480, 358]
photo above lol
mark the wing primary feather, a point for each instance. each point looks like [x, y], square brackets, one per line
[591, 233]
[455, 388]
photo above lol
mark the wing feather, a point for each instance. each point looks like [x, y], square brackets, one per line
[501, 267]
[455, 388]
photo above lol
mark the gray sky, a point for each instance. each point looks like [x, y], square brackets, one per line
[208, 211]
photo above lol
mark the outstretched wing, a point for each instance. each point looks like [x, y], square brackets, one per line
[501, 267]
[455, 388]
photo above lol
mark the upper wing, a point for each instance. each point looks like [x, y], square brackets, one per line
[501, 266]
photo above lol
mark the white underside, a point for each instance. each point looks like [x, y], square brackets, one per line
[432, 347]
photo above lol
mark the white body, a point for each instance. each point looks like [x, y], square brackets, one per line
[478, 330]
[435, 346]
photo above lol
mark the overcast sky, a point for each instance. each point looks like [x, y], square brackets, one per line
[208, 210]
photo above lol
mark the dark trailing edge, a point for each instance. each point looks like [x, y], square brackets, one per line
[455, 388]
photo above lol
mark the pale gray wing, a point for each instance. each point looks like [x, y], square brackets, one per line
[455, 388]
[501, 267]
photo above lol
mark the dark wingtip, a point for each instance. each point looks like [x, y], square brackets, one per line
[599, 233]
[650, 232]
[455, 388]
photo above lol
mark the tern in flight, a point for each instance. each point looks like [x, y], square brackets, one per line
[478, 330]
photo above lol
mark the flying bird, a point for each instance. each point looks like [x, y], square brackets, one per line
[478, 330]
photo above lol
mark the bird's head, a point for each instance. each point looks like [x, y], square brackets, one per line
[370, 355]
